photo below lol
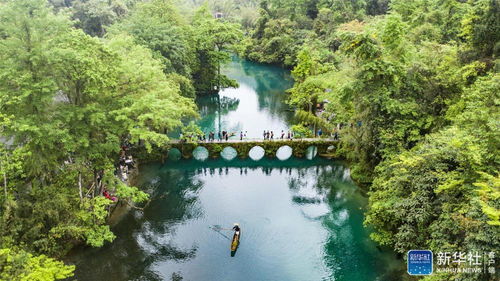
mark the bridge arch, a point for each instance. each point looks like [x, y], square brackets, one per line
[311, 152]
[174, 154]
[284, 152]
[256, 153]
[200, 153]
[228, 153]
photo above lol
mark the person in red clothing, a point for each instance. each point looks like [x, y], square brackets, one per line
[105, 193]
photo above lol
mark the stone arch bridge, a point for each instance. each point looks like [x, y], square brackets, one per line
[243, 147]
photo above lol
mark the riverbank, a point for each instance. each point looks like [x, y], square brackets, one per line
[291, 213]
[121, 208]
[301, 219]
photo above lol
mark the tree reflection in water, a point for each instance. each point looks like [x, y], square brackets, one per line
[141, 242]
[172, 238]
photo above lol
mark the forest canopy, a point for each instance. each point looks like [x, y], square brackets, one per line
[78, 80]
[410, 89]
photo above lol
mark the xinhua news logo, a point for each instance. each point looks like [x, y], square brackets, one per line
[420, 262]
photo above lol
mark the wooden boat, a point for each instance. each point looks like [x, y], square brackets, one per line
[236, 241]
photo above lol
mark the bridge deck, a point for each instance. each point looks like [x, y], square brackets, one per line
[259, 140]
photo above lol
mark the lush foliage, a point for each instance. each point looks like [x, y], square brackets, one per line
[413, 95]
[69, 101]
[190, 45]
[22, 266]
[411, 87]
[212, 38]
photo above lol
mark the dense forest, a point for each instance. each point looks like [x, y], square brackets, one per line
[77, 80]
[414, 91]
[410, 87]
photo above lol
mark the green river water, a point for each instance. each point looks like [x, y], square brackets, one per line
[301, 219]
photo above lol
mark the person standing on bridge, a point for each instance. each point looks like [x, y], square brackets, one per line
[241, 135]
[264, 134]
[282, 134]
[272, 135]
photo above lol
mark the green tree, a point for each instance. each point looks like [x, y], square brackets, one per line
[68, 102]
[480, 27]
[307, 89]
[94, 16]
[444, 193]
[23, 266]
[429, 198]
[213, 40]
[158, 26]
[301, 131]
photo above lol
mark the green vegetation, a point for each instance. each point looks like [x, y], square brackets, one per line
[191, 52]
[23, 266]
[68, 102]
[412, 87]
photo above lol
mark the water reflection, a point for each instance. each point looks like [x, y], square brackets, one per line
[301, 220]
[142, 239]
[257, 105]
[174, 154]
[200, 153]
[228, 153]
[311, 152]
[270, 81]
[284, 152]
[256, 153]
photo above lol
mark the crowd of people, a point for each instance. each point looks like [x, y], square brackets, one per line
[269, 135]
[225, 135]
[221, 136]
[125, 165]
[266, 135]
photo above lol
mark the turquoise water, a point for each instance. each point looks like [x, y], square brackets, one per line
[300, 219]
[257, 105]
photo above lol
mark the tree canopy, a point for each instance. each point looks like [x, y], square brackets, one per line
[68, 102]
[411, 88]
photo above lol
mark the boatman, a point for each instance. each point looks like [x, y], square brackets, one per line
[236, 228]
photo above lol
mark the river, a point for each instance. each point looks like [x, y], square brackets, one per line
[301, 219]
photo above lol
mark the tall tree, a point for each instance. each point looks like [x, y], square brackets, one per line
[68, 102]
[213, 38]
